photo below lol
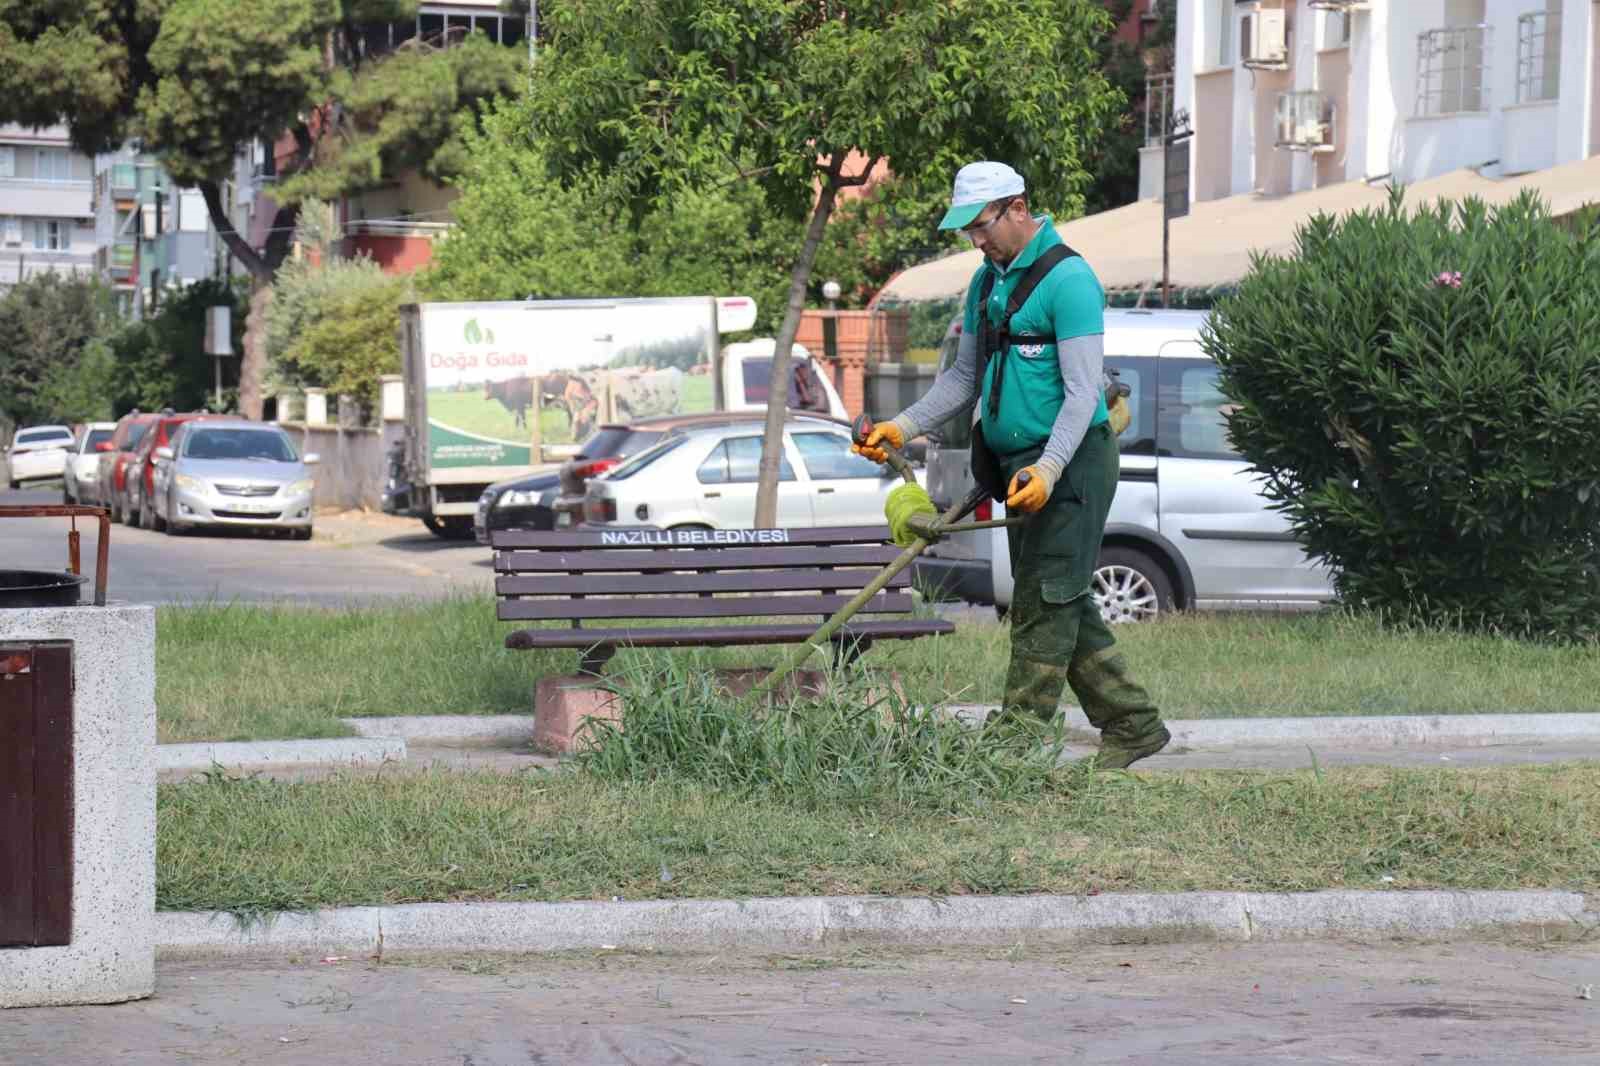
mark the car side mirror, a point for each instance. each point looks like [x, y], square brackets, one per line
[104, 446]
[163, 452]
[311, 459]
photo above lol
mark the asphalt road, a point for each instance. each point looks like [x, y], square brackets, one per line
[353, 558]
[1216, 1004]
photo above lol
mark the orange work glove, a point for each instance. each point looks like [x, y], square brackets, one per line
[881, 431]
[1032, 496]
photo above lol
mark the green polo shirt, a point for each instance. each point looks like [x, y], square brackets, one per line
[1068, 303]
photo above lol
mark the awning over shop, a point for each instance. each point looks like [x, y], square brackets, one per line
[1213, 244]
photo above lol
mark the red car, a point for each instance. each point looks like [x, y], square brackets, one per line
[139, 482]
[111, 482]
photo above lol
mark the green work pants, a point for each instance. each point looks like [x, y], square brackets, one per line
[1057, 635]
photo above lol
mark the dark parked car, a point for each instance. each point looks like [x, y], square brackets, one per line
[111, 485]
[525, 502]
[614, 442]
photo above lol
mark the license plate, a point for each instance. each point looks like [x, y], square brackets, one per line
[254, 508]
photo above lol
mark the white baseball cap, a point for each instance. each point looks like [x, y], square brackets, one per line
[978, 184]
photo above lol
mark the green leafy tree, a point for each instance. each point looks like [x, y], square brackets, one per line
[354, 339]
[871, 238]
[195, 79]
[81, 391]
[693, 94]
[47, 323]
[161, 361]
[1422, 393]
[521, 233]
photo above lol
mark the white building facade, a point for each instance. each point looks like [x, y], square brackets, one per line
[46, 215]
[1285, 96]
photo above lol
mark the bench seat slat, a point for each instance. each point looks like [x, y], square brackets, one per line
[548, 540]
[616, 560]
[694, 607]
[716, 636]
[736, 581]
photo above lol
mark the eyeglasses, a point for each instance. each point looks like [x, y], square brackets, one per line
[978, 229]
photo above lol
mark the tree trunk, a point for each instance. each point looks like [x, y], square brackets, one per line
[778, 384]
[253, 362]
[263, 267]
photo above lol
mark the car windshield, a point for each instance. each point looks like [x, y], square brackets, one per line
[604, 444]
[645, 458]
[639, 440]
[256, 444]
[136, 434]
[37, 435]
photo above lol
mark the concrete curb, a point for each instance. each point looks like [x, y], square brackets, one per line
[1381, 731]
[262, 753]
[448, 729]
[785, 923]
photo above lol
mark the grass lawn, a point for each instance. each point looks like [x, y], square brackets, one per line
[251, 845]
[240, 672]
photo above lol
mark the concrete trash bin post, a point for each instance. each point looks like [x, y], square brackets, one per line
[77, 804]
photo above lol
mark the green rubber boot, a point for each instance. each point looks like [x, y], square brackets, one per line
[1129, 722]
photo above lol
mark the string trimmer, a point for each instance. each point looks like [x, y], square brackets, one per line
[928, 529]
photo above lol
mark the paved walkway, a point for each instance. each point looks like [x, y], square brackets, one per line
[1197, 1004]
[421, 757]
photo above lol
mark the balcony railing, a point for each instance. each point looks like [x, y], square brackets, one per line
[1305, 121]
[1157, 108]
[1453, 70]
[1538, 56]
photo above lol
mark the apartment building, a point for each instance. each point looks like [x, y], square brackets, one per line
[46, 220]
[151, 236]
[1286, 96]
[396, 223]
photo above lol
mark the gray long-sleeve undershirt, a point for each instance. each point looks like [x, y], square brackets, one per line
[1081, 360]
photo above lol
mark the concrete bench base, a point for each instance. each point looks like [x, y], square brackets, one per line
[564, 705]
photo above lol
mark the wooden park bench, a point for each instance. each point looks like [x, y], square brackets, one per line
[618, 587]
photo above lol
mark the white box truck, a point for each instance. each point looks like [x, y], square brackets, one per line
[499, 390]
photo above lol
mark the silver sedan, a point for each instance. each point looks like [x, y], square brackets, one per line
[233, 474]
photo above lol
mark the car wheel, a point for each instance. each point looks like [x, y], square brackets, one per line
[1001, 610]
[15, 485]
[453, 527]
[130, 516]
[174, 529]
[116, 506]
[1130, 586]
[66, 496]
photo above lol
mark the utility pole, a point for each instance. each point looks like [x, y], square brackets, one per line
[1175, 191]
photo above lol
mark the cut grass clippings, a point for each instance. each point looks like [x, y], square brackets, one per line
[252, 845]
[243, 672]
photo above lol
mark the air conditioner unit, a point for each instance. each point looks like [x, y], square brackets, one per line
[1266, 40]
[1305, 122]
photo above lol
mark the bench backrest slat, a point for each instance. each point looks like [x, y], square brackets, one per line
[802, 580]
[685, 538]
[610, 559]
[693, 607]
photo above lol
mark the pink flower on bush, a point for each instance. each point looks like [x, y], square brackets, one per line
[1448, 279]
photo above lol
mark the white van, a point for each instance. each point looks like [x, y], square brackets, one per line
[1189, 527]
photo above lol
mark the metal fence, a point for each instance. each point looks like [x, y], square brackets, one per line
[1538, 56]
[1453, 70]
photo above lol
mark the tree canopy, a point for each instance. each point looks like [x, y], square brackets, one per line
[194, 80]
[680, 95]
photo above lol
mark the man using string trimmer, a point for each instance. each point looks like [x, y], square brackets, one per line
[1032, 343]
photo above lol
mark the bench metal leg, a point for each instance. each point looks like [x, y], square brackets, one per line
[593, 660]
[846, 650]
